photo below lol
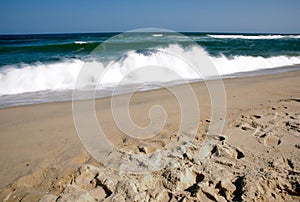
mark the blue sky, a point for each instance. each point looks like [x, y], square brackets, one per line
[69, 16]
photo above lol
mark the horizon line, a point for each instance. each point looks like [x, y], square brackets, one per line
[117, 32]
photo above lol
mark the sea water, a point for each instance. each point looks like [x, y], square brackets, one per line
[44, 68]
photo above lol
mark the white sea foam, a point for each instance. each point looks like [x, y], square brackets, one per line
[63, 75]
[39, 77]
[82, 42]
[238, 64]
[252, 36]
[157, 35]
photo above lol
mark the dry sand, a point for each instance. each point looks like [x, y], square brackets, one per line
[255, 158]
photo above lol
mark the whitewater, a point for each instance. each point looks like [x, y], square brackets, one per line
[45, 68]
[63, 75]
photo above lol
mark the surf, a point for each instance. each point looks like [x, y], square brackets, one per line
[16, 79]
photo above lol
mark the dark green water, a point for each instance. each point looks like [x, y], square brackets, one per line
[16, 49]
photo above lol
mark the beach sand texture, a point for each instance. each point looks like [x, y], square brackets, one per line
[256, 157]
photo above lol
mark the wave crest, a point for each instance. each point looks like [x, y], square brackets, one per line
[227, 36]
[63, 75]
[83, 42]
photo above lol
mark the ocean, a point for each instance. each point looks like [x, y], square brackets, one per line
[44, 68]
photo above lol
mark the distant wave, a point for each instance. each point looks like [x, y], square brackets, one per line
[83, 42]
[63, 75]
[157, 35]
[253, 36]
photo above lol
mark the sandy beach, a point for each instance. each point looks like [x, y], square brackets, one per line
[256, 157]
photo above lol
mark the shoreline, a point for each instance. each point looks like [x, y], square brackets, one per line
[67, 94]
[48, 159]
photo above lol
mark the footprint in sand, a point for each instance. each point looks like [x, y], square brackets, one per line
[263, 127]
[269, 139]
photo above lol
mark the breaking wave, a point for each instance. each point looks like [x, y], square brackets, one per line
[62, 75]
[227, 36]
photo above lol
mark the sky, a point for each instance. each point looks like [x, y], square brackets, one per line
[76, 16]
